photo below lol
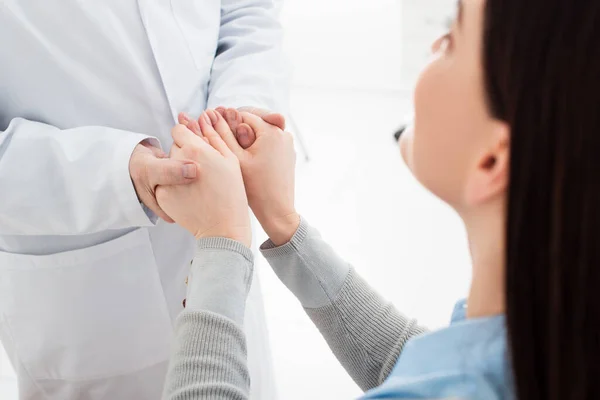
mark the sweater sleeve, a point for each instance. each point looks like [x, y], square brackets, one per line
[209, 357]
[365, 332]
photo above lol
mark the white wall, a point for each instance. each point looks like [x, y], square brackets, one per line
[355, 65]
[344, 44]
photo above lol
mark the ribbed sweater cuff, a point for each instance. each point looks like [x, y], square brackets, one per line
[308, 266]
[221, 243]
[220, 278]
[270, 250]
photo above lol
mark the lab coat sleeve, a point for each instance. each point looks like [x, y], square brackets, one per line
[67, 182]
[249, 68]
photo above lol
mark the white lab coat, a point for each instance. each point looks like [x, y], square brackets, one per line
[90, 281]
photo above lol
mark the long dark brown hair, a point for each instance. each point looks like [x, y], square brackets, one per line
[542, 65]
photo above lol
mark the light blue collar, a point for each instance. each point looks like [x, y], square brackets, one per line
[450, 362]
[477, 344]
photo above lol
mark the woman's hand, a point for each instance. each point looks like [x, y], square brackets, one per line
[215, 205]
[268, 167]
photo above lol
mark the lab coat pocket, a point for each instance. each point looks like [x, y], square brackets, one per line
[86, 314]
[199, 23]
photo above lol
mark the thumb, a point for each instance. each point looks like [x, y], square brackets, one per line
[269, 117]
[275, 119]
[245, 136]
[169, 172]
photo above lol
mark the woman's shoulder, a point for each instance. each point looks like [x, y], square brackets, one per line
[468, 359]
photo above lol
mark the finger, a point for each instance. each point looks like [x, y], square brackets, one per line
[221, 124]
[211, 132]
[223, 131]
[189, 123]
[245, 136]
[170, 172]
[161, 214]
[272, 118]
[257, 124]
[206, 121]
[275, 119]
[221, 110]
[233, 119]
[195, 127]
[182, 136]
[183, 119]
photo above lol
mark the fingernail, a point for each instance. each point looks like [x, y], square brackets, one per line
[230, 115]
[243, 139]
[185, 117]
[206, 118]
[213, 117]
[242, 131]
[189, 171]
[220, 110]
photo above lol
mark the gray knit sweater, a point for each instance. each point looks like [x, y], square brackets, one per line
[365, 332]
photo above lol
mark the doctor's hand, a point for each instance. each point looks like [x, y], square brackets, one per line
[216, 204]
[268, 167]
[150, 167]
[244, 136]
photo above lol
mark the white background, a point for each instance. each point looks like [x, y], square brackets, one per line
[355, 63]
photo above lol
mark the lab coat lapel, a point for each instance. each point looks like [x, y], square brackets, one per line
[173, 59]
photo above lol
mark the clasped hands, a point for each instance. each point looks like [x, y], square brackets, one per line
[255, 166]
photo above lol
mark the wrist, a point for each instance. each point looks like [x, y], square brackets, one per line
[242, 234]
[281, 229]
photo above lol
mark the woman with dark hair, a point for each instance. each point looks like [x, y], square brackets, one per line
[506, 132]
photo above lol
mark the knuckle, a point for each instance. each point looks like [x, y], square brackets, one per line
[195, 152]
[211, 133]
[169, 173]
[191, 152]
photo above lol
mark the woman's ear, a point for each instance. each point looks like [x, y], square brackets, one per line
[491, 174]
